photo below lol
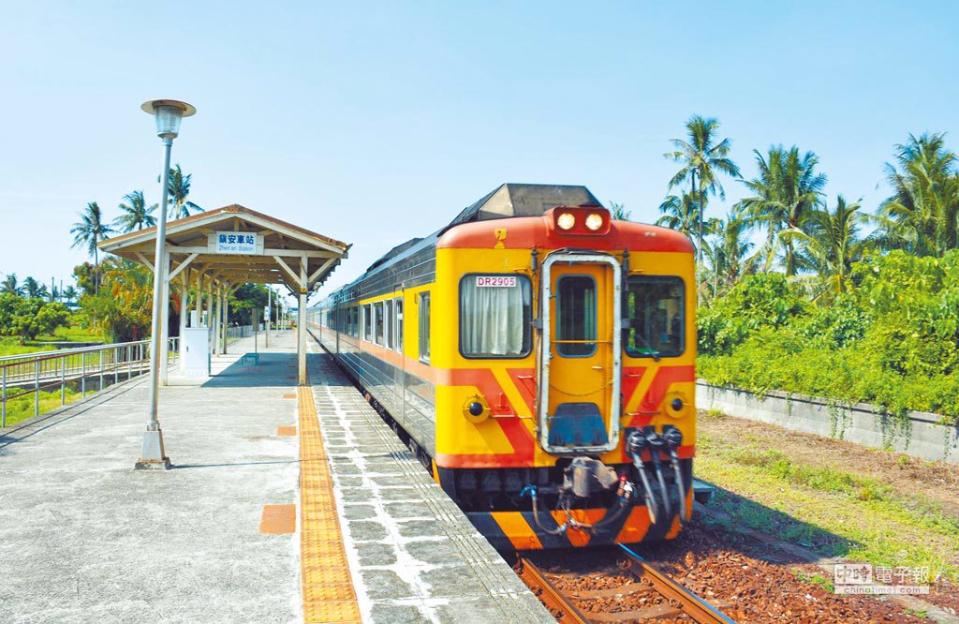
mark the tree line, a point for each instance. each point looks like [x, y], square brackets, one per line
[822, 297]
[92, 228]
[802, 233]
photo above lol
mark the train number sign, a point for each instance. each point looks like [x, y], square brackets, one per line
[495, 281]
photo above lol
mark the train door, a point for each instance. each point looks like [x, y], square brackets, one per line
[580, 359]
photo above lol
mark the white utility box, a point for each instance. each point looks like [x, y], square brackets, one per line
[196, 352]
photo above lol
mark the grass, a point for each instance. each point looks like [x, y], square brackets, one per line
[815, 579]
[10, 345]
[22, 408]
[834, 513]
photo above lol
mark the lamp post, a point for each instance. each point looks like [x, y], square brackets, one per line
[168, 114]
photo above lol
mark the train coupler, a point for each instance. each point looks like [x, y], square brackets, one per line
[583, 478]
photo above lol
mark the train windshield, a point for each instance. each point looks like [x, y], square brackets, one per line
[495, 316]
[654, 311]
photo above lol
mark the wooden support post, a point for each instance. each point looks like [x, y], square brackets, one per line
[214, 318]
[184, 311]
[226, 316]
[209, 302]
[199, 299]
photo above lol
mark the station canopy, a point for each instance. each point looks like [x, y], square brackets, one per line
[233, 245]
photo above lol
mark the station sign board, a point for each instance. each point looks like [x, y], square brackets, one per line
[247, 243]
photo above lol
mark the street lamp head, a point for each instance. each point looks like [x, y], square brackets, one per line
[168, 114]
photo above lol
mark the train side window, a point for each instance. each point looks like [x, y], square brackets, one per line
[424, 326]
[398, 308]
[378, 323]
[495, 315]
[368, 323]
[388, 324]
[654, 309]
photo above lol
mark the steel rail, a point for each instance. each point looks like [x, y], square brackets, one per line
[690, 604]
[558, 604]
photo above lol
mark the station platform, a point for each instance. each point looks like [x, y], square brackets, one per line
[284, 504]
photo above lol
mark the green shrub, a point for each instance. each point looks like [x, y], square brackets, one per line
[893, 340]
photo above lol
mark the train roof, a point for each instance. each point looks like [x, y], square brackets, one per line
[524, 200]
[505, 201]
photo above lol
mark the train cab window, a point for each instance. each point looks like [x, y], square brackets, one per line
[424, 327]
[576, 316]
[654, 315]
[368, 323]
[495, 315]
[378, 322]
[398, 311]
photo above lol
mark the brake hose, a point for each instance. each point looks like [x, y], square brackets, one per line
[531, 489]
[674, 437]
[655, 446]
[636, 444]
[623, 504]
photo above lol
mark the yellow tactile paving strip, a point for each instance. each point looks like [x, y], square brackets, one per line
[328, 594]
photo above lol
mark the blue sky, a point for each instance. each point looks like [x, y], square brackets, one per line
[376, 122]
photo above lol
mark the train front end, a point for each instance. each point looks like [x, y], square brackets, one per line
[565, 416]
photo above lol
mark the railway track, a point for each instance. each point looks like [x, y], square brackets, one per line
[677, 600]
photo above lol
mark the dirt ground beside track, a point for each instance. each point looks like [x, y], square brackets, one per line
[908, 476]
[748, 581]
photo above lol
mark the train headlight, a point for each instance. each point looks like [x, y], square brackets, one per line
[677, 404]
[566, 221]
[594, 221]
[475, 409]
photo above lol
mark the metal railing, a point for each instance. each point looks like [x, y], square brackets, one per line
[239, 331]
[32, 382]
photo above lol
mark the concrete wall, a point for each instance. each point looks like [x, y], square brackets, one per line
[919, 435]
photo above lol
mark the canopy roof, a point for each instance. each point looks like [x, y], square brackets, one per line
[233, 245]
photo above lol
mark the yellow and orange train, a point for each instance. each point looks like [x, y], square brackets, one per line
[539, 357]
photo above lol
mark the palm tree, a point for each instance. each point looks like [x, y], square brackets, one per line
[831, 242]
[69, 293]
[10, 285]
[136, 215]
[680, 214]
[178, 188]
[922, 215]
[618, 212]
[89, 231]
[34, 289]
[728, 252]
[702, 159]
[786, 188]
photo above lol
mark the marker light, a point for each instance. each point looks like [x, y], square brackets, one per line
[566, 221]
[594, 221]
